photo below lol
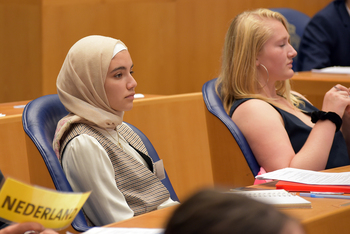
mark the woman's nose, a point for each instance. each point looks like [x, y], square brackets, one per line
[132, 83]
[292, 53]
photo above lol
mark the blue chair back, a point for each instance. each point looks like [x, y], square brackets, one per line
[40, 118]
[154, 155]
[297, 23]
[215, 107]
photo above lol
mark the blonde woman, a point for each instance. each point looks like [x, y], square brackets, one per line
[282, 128]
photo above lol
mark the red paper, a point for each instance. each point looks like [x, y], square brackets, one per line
[292, 186]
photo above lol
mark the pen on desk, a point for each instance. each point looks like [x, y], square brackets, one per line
[327, 193]
[323, 196]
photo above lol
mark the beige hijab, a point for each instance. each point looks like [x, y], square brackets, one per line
[80, 86]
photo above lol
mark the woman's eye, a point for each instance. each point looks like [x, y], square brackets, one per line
[118, 75]
[131, 72]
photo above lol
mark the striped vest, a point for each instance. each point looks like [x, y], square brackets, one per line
[141, 188]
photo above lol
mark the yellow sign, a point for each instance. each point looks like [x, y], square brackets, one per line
[20, 202]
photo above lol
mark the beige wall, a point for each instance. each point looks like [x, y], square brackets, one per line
[175, 44]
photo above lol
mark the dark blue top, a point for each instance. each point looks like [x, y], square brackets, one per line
[326, 39]
[3, 225]
[298, 132]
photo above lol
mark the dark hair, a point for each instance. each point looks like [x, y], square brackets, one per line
[214, 212]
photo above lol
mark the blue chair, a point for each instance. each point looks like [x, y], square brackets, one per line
[229, 149]
[297, 23]
[40, 118]
[153, 154]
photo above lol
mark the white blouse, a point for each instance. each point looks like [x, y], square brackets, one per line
[88, 168]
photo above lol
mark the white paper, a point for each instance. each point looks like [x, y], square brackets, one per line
[112, 230]
[333, 70]
[139, 95]
[277, 197]
[307, 176]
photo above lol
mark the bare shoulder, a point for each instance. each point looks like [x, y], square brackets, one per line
[257, 114]
[254, 107]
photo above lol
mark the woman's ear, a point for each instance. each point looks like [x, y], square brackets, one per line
[257, 63]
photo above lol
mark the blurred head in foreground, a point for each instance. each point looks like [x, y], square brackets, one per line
[214, 212]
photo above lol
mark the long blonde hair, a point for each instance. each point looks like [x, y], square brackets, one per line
[244, 39]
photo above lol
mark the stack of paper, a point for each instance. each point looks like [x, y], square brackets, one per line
[279, 198]
[307, 176]
[292, 179]
[333, 70]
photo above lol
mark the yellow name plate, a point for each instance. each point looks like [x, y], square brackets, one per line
[20, 202]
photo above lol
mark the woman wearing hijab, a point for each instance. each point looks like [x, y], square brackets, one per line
[99, 152]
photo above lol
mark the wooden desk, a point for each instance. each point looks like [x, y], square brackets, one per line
[12, 108]
[314, 85]
[154, 219]
[13, 158]
[325, 216]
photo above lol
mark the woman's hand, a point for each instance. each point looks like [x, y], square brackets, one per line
[29, 228]
[337, 100]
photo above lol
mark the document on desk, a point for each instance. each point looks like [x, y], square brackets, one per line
[307, 176]
[112, 230]
[333, 70]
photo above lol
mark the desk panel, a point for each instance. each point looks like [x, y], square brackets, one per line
[13, 156]
[153, 219]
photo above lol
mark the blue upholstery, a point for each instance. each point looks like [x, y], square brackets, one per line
[297, 23]
[153, 154]
[215, 106]
[40, 118]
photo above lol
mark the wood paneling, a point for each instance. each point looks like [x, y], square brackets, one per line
[20, 50]
[175, 44]
[13, 154]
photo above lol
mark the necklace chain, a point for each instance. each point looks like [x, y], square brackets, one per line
[117, 140]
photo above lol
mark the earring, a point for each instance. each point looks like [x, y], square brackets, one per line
[267, 80]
